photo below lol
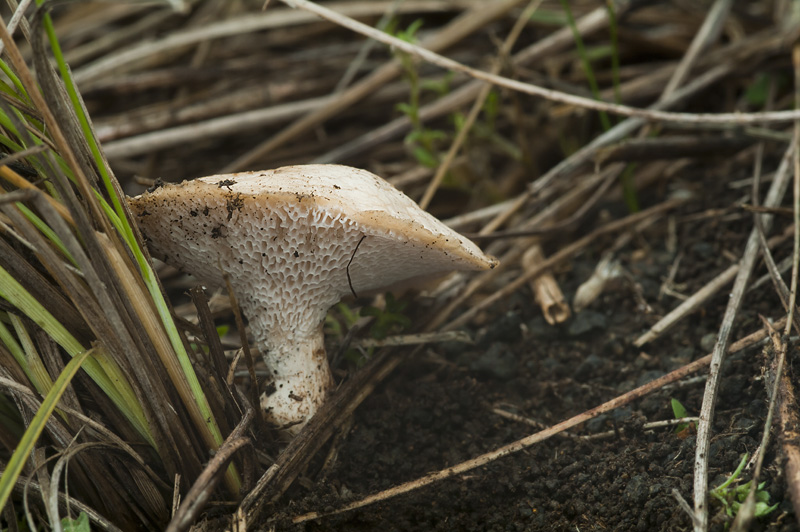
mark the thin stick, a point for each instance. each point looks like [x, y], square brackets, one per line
[796, 190]
[621, 130]
[746, 513]
[749, 257]
[709, 31]
[747, 510]
[206, 483]
[213, 127]
[535, 90]
[248, 355]
[366, 48]
[19, 16]
[544, 48]
[416, 339]
[557, 209]
[540, 436]
[247, 23]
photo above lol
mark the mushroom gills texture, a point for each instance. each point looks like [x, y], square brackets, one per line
[287, 239]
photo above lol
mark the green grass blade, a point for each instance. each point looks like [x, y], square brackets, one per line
[46, 231]
[612, 30]
[21, 93]
[127, 233]
[7, 338]
[29, 439]
[37, 372]
[109, 377]
[587, 67]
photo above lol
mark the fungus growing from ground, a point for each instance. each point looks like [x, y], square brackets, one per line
[293, 242]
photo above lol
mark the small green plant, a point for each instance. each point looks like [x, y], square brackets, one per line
[421, 140]
[758, 91]
[731, 497]
[387, 321]
[679, 411]
[80, 524]
[340, 314]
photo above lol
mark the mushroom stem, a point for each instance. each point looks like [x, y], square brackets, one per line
[294, 352]
[301, 377]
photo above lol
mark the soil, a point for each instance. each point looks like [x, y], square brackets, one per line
[436, 410]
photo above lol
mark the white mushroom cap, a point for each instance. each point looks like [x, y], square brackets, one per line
[288, 238]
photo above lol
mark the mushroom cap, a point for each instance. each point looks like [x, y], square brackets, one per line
[301, 224]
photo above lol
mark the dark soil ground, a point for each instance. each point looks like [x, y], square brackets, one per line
[437, 409]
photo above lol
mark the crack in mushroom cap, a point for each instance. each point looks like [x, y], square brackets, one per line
[289, 234]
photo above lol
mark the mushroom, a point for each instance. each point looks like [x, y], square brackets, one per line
[293, 242]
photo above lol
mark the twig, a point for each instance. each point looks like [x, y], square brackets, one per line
[248, 23]
[248, 355]
[673, 147]
[549, 45]
[747, 510]
[709, 31]
[782, 391]
[607, 269]
[574, 201]
[534, 90]
[16, 18]
[646, 426]
[685, 506]
[478, 215]
[336, 409]
[688, 306]
[366, 48]
[214, 127]
[621, 130]
[416, 339]
[789, 438]
[699, 298]
[749, 257]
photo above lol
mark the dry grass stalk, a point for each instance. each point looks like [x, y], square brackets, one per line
[91, 292]
[533, 90]
[749, 257]
[606, 271]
